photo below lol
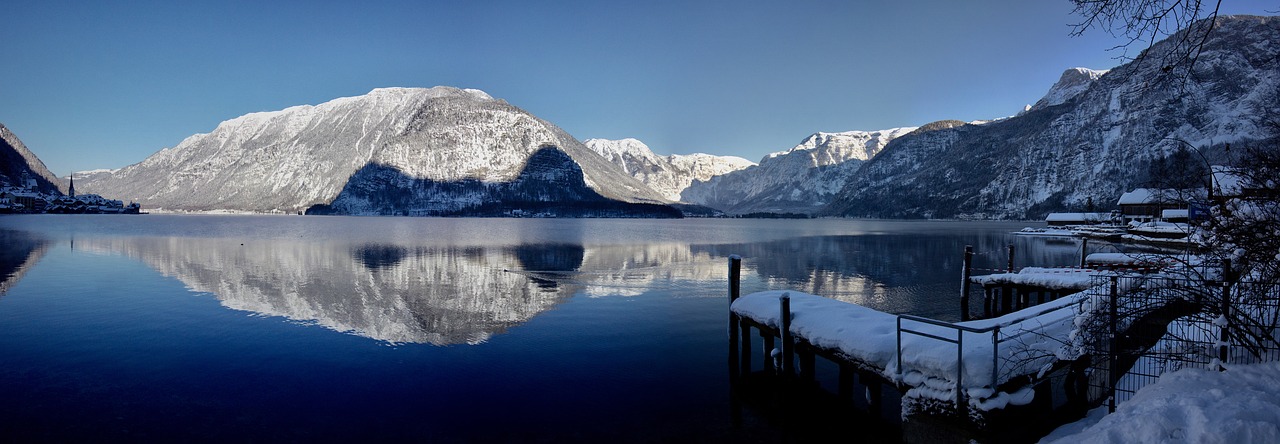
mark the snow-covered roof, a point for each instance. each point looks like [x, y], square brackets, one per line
[1144, 196]
[1137, 197]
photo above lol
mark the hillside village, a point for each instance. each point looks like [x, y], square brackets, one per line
[28, 199]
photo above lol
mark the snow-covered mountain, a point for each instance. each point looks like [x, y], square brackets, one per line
[290, 160]
[668, 175]
[802, 179]
[1073, 82]
[19, 165]
[1092, 145]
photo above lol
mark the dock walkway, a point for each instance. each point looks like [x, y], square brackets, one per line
[927, 359]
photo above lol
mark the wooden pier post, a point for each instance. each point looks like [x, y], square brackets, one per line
[808, 363]
[1011, 258]
[767, 339]
[735, 274]
[788, 346]
[964, 282]
[735, 277]
[844, 389]
[1006, 300]
[1084, 250]
[988, 301]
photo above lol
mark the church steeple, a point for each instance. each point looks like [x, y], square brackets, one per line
[72, 189]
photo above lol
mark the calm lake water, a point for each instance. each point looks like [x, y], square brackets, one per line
[288, 328]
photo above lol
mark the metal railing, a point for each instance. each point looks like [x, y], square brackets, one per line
[960, 330]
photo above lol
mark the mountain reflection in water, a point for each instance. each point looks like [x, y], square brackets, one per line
[400, 294]
[21, 250]
[592, 330]
[459, 293]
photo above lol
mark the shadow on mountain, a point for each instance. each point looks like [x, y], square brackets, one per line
[551, 185]
[21, 250]
[15, 167]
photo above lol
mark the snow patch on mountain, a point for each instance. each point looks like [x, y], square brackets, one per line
[1073, 82]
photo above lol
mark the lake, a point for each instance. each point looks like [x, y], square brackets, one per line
[291, 328]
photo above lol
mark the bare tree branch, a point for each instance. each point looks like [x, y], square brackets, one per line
[1187, 24]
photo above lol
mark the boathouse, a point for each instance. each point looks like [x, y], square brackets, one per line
[1148, 204]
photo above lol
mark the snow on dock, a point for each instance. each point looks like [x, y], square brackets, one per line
[991, 351]
[1076, 279]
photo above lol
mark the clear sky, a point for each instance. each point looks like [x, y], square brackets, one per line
[104, 84]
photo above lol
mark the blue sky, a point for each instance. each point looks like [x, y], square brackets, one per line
[105, 84]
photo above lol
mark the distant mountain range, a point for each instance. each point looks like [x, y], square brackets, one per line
[449, 151]
[668, 175]
[800, 180]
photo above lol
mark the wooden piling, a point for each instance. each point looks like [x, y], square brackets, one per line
[1011, 258]
[735, 277]
[1084, 250]
[767, 339]
[964, 282]
[788, 346]
[988, 301]
[808, 363]
[735, 274]
[845, 387]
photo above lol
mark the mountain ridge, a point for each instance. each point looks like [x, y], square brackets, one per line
[1091, 147]
[292, 159]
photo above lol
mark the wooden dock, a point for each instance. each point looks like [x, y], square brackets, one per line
[983, 375]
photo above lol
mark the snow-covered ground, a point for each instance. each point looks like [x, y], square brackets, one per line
[1240, 405]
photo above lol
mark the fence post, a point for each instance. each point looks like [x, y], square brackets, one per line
[964, 282]
[1113, 355]
[788, 348]
[1084, 250]
[1225, 328]
[961, 409]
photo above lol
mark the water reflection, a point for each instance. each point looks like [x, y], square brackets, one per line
[374, 257]
[898, 273]
[469, 290]
[21, 251]
[395, 293]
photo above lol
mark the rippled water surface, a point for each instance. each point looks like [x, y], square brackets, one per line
[268, 328]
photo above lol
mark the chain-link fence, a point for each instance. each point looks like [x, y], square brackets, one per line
[1142, 326]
